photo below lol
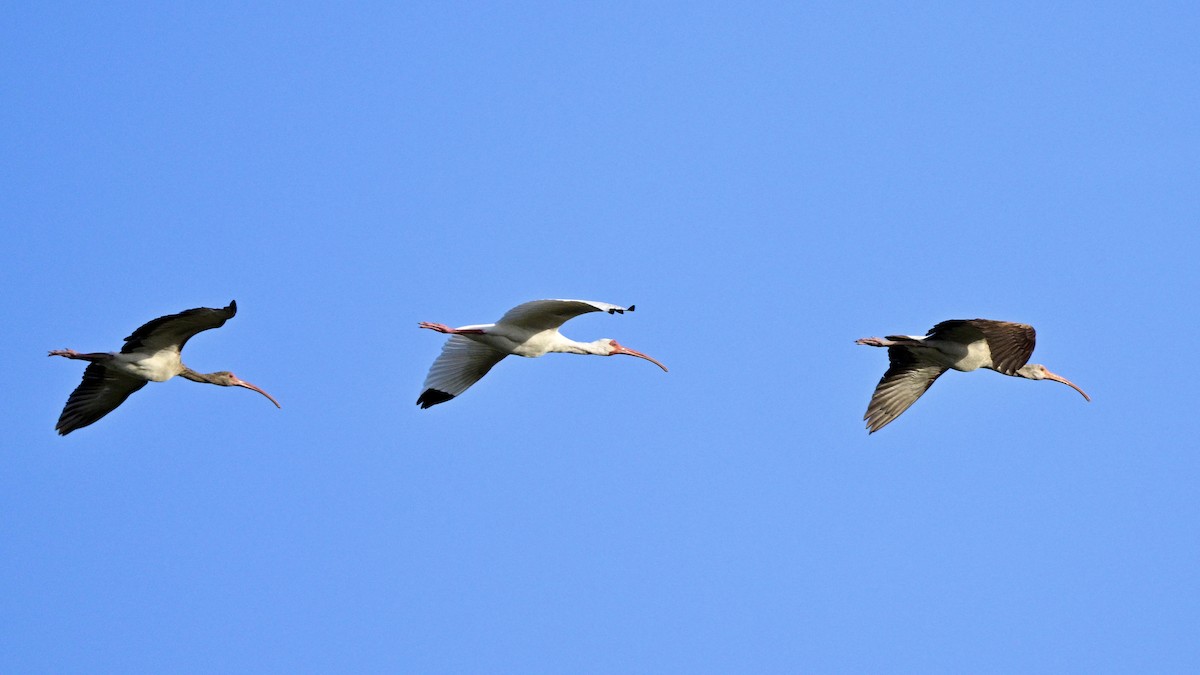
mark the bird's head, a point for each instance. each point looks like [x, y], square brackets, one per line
[609, 347]
[228, 379]
[1036, 371]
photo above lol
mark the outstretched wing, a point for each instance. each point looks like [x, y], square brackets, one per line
[101, 391]
[905, 380]
[540, 315]
[460, 365]
[173, 331]
[1010, 344]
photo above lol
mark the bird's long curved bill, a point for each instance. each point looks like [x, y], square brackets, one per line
[1060, 378]
[633, 352]
[243, 383]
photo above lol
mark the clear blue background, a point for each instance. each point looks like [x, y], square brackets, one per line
[767, 182]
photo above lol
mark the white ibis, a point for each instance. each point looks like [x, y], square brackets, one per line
[151, 354]
[961, 344]
[529, 329]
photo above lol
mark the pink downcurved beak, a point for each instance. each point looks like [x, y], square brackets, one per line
[242, 383]
[621, 349]
[1060, 378]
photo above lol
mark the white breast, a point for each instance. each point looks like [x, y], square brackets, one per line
[975, 355]
[956, 355]
[157, 367]
[538, 343]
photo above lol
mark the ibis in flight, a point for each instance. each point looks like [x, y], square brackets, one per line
[529, 329]
[151, 354]
[961, 344]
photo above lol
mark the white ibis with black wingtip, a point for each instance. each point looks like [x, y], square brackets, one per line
[961, 344]
[529, 329]
[150, 354]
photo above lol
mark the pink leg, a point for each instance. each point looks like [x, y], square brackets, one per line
[874, 342]
[72, 354]
[443, 328]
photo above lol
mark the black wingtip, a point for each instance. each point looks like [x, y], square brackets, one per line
[432, 397]
[631, 308]
[232, 306]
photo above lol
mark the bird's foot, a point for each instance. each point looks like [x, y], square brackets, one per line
[69, 353]
[874, 342]
[439, 327]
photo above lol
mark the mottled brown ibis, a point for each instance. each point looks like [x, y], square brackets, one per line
[150, 354]
[961, 344]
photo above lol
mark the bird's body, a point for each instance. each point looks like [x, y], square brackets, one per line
[960, 344]
[529, 330]
[961, 356]
[157, 366]
[150, 354]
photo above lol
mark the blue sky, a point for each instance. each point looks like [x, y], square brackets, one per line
[767, 183]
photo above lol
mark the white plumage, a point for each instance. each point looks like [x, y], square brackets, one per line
[529, 329]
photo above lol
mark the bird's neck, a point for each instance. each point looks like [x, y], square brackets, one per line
[570, 346]
[189, 374]
[1028, 372]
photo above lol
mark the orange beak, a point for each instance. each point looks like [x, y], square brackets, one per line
[243, 383]
[619, 349]
[1059, 378]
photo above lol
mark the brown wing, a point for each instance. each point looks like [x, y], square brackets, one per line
[1011, 344]
[101, 391]
[905, 380]
[173, 331]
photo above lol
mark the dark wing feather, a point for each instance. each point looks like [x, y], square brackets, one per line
[957, 330]
[903, 383]
[432, 397]
[101, 391]
[173, 331]
[1011, 344]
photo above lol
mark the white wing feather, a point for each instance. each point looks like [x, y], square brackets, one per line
[540, 315]
[460, 365]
